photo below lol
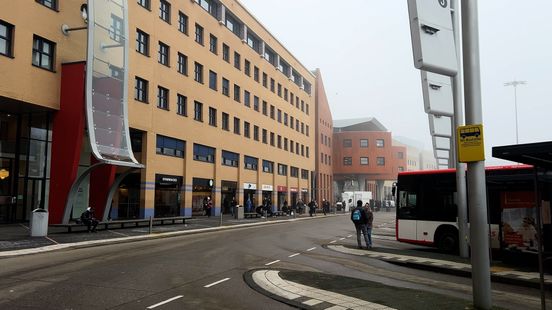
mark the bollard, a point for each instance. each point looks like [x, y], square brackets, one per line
[150, 225]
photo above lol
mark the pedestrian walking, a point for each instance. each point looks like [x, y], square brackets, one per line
[369, 222]
[312, 207]
[360, 219]
[325, 206]
[209, 206]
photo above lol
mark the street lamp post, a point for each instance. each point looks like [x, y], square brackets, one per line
[515, 84]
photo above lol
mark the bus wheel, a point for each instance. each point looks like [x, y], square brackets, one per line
[448, 241]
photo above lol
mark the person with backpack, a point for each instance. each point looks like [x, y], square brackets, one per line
[360, 219]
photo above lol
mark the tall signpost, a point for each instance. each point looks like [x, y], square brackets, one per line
[434, 42]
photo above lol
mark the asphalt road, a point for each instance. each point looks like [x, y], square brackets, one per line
[205, 271]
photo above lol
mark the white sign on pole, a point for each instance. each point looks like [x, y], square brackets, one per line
[441, 143]
[432, 36]
[437, 91]
[440, 126]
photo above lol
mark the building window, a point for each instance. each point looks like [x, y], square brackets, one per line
[285, 144]
[198, 111]
[225, 87]
[246, 98]
[116, 28]
[52, 4]
[237, 61]
[230, 158]
[213, 117]
[182, 64]
[256, 103]
[256, 133]
[282, 169]
[237, 126]
[212, 80]
[265, 133]
[181, 105]
[170, 146]
[142, 42]
[380, 143]
[233, 25]
[246, 130]
[43, 53]
[247, 67]
[291, 146]
[272, 83]
[279, 90]
[272, 138]
[225, 52]
[272, 111]
[304, 174]
[265, 108]
[268, 166]
[198, 73]
[182, 23]
[253, 42]
[237, 91]
[380, 161]
[400, 155]
[291, 122]
[213, 44]
[279, 141]
[204, 153]
[145, 4]
[364, 161]
[265, 80]
[294, 172]
[279, 116]
[401, 169]
[199, 34]
[6, 39]
[347, 143]
[162, 98]
[363, 142]
[256, 74]
[165, 11]
[164, 52]
[347, 161]
[141, 90]
[225, 121]
[250, 163]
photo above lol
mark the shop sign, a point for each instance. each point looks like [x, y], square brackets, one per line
[282, 188]
[169, 180]
[293, 189]
[304, 190]
[249, 186]
[266, 187]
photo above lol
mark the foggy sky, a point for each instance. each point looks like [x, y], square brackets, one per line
[364, 52]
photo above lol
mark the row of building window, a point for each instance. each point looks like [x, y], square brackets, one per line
[326, 159]
[257, 133]
[380, 143]
[348, 161]
[175, 147]
[325, 140]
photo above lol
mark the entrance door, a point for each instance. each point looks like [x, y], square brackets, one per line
[6, 187]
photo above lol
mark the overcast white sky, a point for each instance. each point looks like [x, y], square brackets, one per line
[364, 51]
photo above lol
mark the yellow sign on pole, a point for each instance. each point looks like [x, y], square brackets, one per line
[470, 143]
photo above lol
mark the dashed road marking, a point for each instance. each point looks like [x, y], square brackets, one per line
[333, 241]
[308, 250]
[341, 238]
[273, 262]
[164, 302]
[293, 255]
[215, 283]
[349, 236]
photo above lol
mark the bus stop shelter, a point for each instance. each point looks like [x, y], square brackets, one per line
[539, 155]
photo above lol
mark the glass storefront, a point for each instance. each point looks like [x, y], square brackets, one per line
[228, 193]
[128, 206]
[201, 189]
[25, 144]
[167, 195]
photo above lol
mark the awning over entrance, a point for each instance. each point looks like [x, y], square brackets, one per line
[536, 154]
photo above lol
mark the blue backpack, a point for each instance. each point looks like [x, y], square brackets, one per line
[356, 215]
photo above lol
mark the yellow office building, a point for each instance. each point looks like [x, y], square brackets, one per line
[217, 108]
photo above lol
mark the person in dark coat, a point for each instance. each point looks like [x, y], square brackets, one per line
[88, 219]
[360, 219]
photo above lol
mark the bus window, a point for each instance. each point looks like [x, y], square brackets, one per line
[407, 204]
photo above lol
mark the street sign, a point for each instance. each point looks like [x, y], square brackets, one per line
[470, 143]
[440, 126]
[437, 91]
[432, 36]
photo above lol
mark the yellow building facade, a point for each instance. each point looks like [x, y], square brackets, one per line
[217, 106]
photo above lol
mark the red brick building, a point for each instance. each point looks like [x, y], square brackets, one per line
[324, 130]
[364, 158]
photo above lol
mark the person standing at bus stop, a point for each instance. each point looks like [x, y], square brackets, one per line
[360, 219]
[369, 222]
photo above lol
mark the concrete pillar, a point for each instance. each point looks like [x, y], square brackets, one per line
[222, 17]
[244, 34]
[147, 193]
[262, 49]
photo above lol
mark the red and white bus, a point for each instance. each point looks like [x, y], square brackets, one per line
[427, 212]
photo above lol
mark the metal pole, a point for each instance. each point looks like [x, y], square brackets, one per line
[515, 108]
[461, 196]
[539, 239]
[150, 225]
[479, 230]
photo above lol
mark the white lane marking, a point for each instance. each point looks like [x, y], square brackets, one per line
[333, 241]
[349, 236]
[308, 250]
[117, 233]
[54, 241]
[341, 238]
[274, 262]
[293, 255]
[215, 283]
[164, 302]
